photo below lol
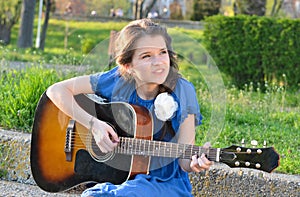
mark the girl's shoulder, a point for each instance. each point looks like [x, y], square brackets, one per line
[105, 81]
[184, 85]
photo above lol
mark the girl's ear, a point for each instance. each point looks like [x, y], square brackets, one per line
[128, 68]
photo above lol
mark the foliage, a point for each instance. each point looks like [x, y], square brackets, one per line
[255, 48]
[9, 15]
[205, 8]
[10, 11]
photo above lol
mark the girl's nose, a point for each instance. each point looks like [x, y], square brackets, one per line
[156, 60]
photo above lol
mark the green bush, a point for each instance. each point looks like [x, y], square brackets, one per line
[255, 49]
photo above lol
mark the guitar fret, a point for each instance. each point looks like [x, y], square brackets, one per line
[164, 149]
[128, 145]
[199, 154]
[140, 147]
[183, 151]
[147, 149]
[159, 148]
[121, 144]
[207, 152]
[176, 152]
[125, 146]
[151, 147]
[170, 152]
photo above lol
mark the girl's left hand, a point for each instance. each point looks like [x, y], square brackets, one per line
[201, 163]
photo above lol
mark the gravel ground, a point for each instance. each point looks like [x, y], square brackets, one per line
[15, 189]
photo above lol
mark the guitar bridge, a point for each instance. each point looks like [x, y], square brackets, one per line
[68, 143]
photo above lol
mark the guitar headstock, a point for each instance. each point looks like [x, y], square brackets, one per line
[265, 159]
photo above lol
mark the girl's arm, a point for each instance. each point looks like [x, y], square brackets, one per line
[187, 136]
[62, 95]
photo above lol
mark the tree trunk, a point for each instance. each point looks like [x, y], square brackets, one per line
[9, 16]
[276, 7]
[5, 32]
[45, 25]
[138, 11]
[254, 7]
[148, 8]
[26, 29]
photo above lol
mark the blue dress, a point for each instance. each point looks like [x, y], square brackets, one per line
[165, 178]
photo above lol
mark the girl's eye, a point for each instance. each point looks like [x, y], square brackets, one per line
[145, 56]
[163, 52]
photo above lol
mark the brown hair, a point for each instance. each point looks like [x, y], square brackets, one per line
[125, 47]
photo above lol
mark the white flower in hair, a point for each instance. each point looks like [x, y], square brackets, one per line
[165, 106]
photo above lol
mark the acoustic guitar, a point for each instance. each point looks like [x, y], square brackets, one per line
[64, 153]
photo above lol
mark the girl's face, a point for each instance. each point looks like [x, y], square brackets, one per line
[150, 62]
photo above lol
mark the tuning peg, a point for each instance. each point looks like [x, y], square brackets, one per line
[243, 142]
[254, 143]
[265, 144]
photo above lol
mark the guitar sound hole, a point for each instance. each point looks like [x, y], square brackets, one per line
[97, 154]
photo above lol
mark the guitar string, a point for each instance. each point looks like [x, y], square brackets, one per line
[164, 150]
[134, 142]
[187, 152]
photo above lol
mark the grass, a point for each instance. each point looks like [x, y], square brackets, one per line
[269, 112]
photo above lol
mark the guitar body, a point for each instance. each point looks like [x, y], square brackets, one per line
[56, 169]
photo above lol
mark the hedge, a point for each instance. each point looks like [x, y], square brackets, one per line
[255, 49]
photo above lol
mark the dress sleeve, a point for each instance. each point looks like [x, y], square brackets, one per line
[186, 94]
[103, 83]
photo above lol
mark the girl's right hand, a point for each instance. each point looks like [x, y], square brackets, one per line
[105, 136]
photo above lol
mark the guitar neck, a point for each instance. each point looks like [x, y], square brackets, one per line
[133, 146]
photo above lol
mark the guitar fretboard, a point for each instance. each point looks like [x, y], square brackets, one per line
[133, 146]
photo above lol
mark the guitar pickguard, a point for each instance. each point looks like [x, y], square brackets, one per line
[86, 166]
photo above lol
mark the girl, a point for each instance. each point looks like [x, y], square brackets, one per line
[146, 75]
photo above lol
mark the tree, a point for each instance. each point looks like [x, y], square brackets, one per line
[48, 4]
[276, 8]
[26, 28]
[9, 16]
[204, 8]
[138, 9]
[147, 7]
[253, 7]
